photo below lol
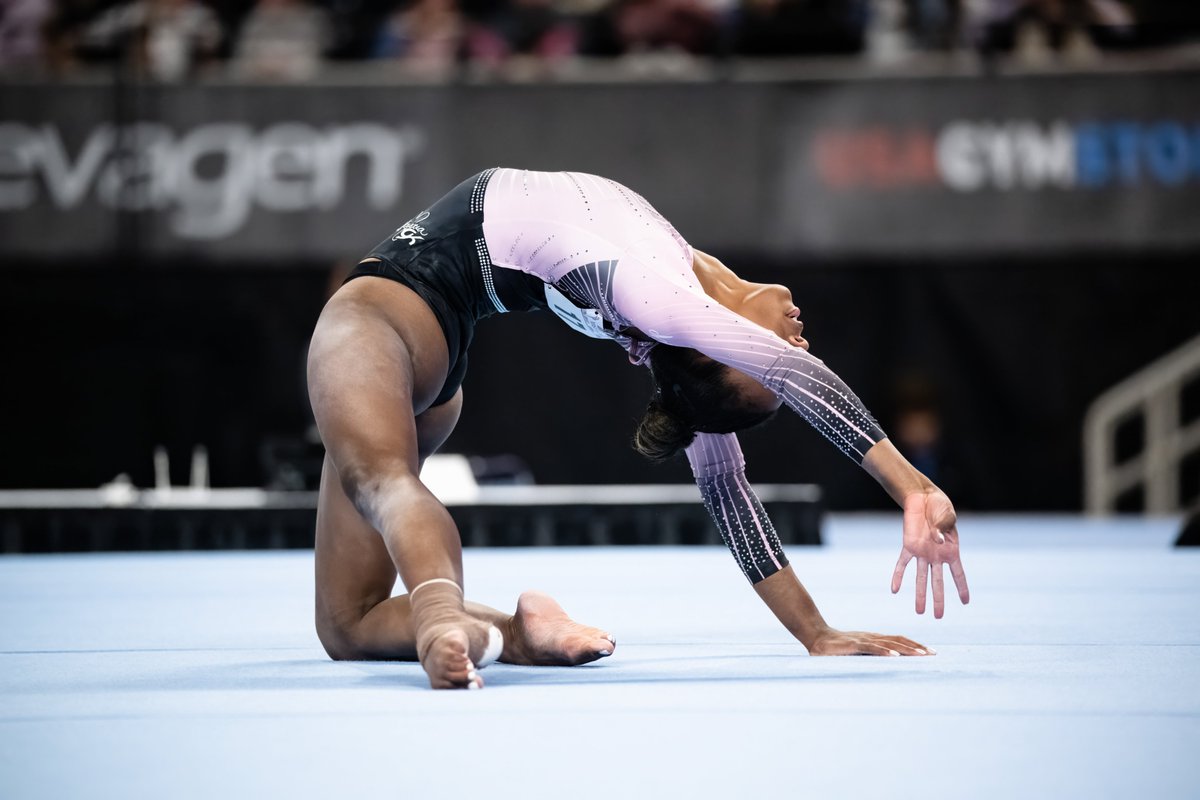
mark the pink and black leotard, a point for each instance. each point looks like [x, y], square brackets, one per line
[600, 257]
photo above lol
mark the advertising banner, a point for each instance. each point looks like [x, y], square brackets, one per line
[991, 165]
[277, 174]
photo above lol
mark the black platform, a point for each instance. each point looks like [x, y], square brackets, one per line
[497, 516]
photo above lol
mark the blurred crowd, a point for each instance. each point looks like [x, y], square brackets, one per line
[173, 40]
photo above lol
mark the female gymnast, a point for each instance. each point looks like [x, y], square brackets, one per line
[385, 370]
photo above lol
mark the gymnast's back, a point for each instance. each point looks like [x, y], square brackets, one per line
[550, 223]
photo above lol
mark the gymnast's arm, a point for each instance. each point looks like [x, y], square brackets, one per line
[812, 390]
[674, 310]
[720, 471]
[683, 316]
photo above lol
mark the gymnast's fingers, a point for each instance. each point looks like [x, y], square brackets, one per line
[901, 565]
[922, 583]
[960, 580]
[939, 592]
[903, 646]
[877, 648]
[917, 645]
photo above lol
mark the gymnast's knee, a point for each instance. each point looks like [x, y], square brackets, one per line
[365, 484]
[339, 640]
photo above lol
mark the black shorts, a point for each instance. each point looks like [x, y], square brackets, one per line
[441, 255]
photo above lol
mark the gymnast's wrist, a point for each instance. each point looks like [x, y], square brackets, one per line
[813, 633]
[920, 492]
[894, 473]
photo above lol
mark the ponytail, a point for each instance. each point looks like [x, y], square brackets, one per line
[661, 435]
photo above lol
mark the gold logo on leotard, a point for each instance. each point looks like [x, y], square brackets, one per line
[411, 230]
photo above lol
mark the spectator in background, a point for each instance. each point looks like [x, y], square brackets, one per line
[427, 36]
[917, 430]
[22, 33]
[61, 34]
[1038, 31]
[935, 24]
[918, 435]
[281, 40]
[528, 28]
[354, 26]
[165, 39]
[635, 27]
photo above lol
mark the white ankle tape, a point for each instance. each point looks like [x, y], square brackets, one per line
[495, 646]
[423, 584]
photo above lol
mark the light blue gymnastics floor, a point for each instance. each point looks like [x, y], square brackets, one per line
[1075, 672]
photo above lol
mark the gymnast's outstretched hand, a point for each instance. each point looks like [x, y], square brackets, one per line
[931, 536]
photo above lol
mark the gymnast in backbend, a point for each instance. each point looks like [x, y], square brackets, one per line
[387, 362]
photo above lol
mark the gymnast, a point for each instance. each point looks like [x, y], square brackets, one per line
[386, 365]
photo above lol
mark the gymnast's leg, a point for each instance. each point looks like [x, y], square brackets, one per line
[376, 361]
[357, 619]
[375, 354]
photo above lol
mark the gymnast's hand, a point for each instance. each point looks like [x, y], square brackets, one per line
[931, 536]
[858, 643]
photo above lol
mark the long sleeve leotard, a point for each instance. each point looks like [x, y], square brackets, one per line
[614, 268]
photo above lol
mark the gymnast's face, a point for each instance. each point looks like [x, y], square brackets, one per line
[771, 306]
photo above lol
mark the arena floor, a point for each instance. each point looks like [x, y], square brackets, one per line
[1075, 672]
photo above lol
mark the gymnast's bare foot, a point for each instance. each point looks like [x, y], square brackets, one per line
[541, 634]
[450, 653]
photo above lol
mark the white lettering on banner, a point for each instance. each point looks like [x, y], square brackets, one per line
[998, 157]
[976, 155]
[214, 185]
[957, 158]
[287, 167]
[129, 179]
[18, 157]
[1045, 157]
[67, 184]
[209, 178]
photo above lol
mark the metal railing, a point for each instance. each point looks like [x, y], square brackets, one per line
[1153, 394]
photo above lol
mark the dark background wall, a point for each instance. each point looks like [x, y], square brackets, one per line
[104, 361]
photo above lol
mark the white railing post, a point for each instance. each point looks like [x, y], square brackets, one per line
[1153, 393]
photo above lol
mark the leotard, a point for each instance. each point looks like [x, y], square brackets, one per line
[600, 257]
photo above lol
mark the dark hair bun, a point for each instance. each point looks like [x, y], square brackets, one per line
[661, 435]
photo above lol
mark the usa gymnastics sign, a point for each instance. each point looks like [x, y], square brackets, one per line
[1013, 165]
[310, 174]
[972, 156]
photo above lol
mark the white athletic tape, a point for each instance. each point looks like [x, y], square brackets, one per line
[495, 647]
[423, 584]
